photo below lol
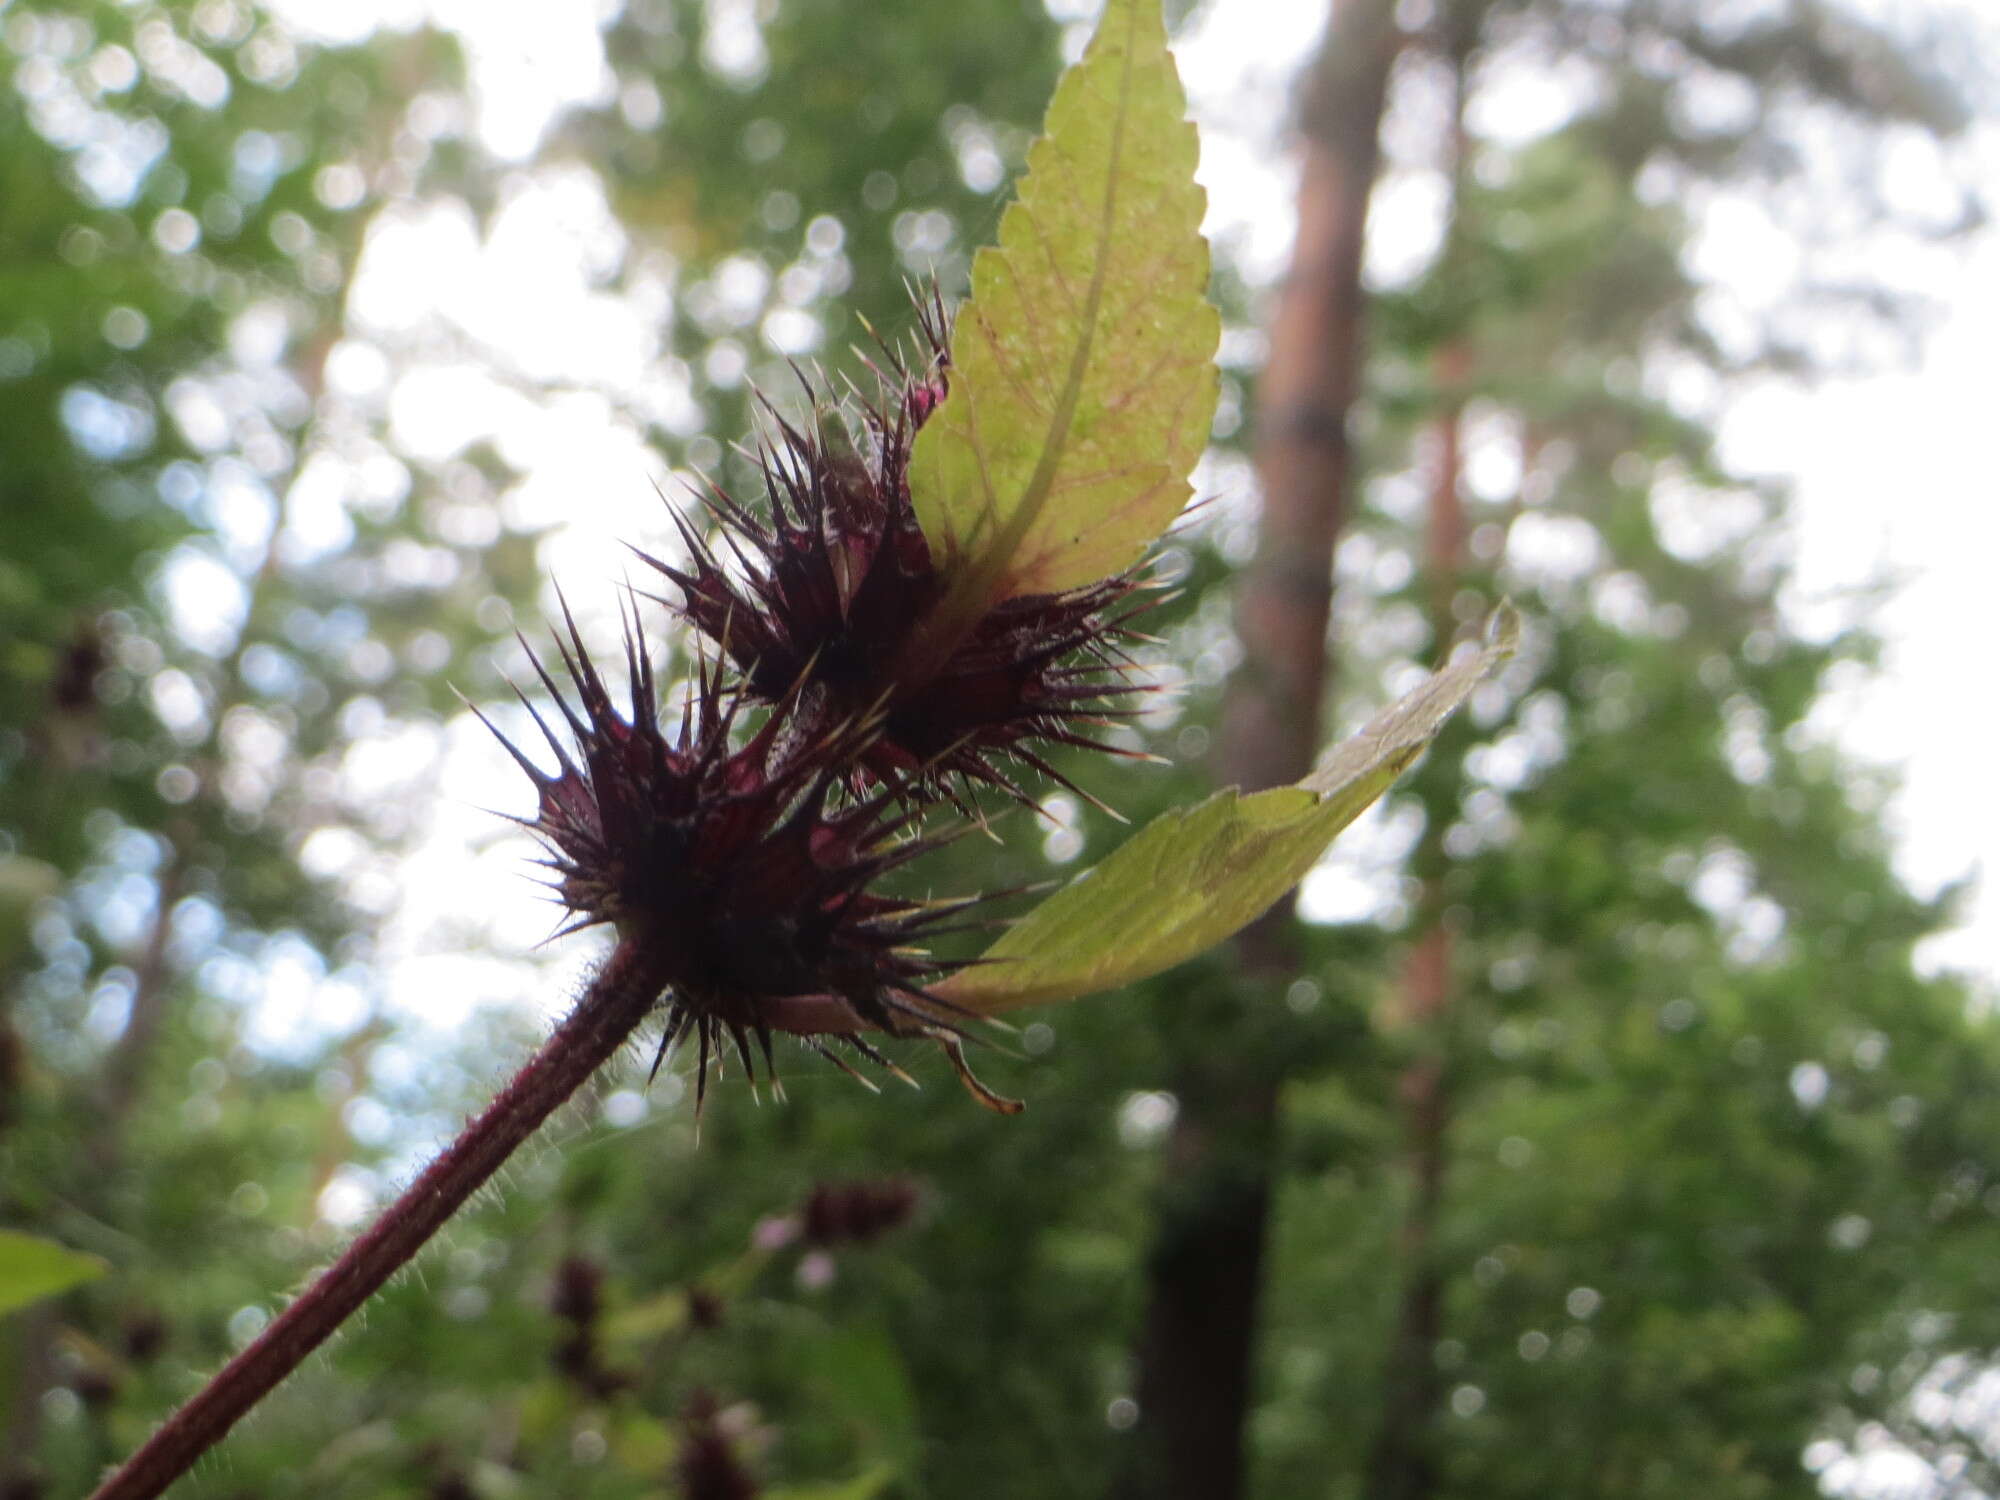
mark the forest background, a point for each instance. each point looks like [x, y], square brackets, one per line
[1601, 1133]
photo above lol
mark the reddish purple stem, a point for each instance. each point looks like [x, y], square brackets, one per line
[620, 997]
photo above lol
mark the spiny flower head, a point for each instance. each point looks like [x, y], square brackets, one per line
[734, 859]
[838, 595]
[576, 1294]
[857, 1213]
[707, 1465]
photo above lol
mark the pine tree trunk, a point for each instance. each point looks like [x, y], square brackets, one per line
[1401, 1465]
[1401, 1462]
[1207, 1261]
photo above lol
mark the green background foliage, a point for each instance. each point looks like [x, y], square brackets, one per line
[1719, 1179]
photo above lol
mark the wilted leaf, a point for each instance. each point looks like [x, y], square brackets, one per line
[1197, 875]
[1083, 372]
[31, 1269]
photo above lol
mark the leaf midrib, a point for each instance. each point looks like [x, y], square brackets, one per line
[982, 582]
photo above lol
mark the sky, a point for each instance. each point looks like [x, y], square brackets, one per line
[1894, 478]
[1890, 477]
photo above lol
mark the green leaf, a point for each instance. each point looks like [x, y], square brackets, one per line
[31, 1269]
[24, 884]
[1197, 875]
[862, 1487]
[1083, 373]
[862, 1379]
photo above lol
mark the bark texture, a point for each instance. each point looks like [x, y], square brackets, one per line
[1197, 1345]
[1402, 1464]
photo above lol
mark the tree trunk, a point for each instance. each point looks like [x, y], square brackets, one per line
[1401, 1465]
[1401, 1461]
[1206, 1265]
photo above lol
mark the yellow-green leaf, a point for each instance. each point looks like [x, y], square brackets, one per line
[24, 884]
[862, 1487]
[1083, 365]
[1200, 874]
[31, 1269]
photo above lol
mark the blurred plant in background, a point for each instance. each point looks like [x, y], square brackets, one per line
[1607, 1143]
[228, 608]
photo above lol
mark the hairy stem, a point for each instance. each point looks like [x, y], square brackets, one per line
[622, 994]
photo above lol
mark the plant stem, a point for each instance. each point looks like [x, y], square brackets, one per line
[621, 995]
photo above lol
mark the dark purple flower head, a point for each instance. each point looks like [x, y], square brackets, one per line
[856, 1213]
[576, 1293]
[707, 1467]
[734, 859]
[837, 598]
[706, 1310]
[145, 1335]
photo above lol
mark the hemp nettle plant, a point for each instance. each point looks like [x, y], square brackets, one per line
[935, 590]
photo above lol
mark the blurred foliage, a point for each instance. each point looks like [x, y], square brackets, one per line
[1720, 1174]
